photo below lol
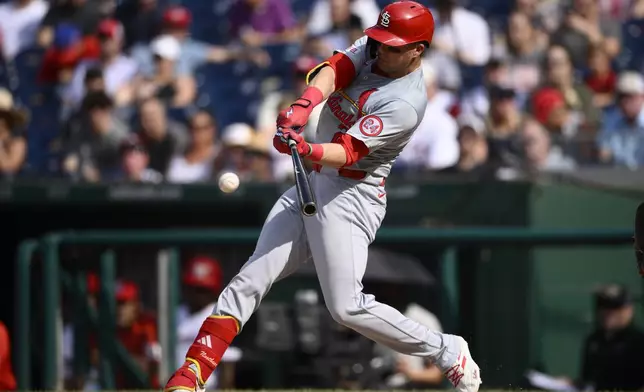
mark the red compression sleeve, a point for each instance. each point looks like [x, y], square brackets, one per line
[355, 149]
[314, 96]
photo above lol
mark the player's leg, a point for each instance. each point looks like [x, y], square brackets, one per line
[280, 250]
[339, 237]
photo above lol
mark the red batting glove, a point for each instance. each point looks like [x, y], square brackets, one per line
[297, 115]
[281, 138]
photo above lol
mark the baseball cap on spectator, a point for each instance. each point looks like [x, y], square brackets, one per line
[204, 272]
[177, 17]
[126, 291]
[470, 121]
[110, 28]
[166, 47]
[545, 102]
[612, 297]
[260, 144]
[630, 83]
[237, 135]
[66, 35]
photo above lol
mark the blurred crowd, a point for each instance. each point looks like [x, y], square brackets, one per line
[155, 91]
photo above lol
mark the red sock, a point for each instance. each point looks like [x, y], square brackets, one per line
[214, 337]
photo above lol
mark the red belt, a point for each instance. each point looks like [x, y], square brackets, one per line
[348, 173]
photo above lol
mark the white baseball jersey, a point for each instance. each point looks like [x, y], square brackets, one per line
[380, 111]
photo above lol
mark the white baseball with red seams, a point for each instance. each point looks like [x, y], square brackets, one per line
[228, 182]
[383, 113]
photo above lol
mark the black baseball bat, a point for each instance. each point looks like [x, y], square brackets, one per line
[305, 195]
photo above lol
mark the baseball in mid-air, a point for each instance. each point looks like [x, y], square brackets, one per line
[228, 182]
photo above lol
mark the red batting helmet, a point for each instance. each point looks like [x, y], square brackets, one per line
[401, 23]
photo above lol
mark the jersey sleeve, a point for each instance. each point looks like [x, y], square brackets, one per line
[386, 124]
[347, 63]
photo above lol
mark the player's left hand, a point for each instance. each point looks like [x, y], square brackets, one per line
[281, 138]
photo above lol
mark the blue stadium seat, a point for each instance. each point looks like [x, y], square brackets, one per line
[43, 128]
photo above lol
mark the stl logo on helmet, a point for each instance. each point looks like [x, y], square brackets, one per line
[384, 19]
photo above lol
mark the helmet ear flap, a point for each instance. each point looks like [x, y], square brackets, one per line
[372, 48]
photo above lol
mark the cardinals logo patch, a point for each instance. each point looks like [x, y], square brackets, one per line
[371, 125]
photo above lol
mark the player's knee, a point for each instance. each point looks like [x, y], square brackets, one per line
[345, 312]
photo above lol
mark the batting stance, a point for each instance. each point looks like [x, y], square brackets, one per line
[376, 99]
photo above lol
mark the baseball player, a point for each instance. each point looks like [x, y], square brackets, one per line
[376, 99]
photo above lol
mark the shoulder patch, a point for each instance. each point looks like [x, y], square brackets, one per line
[371, 125]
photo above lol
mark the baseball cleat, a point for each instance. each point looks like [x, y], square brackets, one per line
[465, 374]
[183, 379]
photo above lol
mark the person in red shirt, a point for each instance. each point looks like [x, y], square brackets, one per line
[7, 379]
[137, 331]
[601, 79]
[68, 49]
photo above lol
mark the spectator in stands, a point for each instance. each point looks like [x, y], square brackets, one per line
[524, 56]
[413, 372]
[260, 161]
[197, 163]
[473, 149]
[67, 51]
[135, 161]
[543, 17]
[548, 107]
[612, 352]
[163, 82]
[7, 379]
[324, 12]
[136, 329]
[176, 22]
[141, 20]
[118, 69]
[70, 115]
[19, 21]
[202, 282]
[539, 152]
[236, 140]
[13, 143]
[434, 145]
[621, 140]
[477, 100]
[163, 137]
[559, 73]
[601, 78]
[84, 14]
[92, 145]
[583, 28]
[461, 38]
[263, 22]
[504, 121]
[342, 31]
